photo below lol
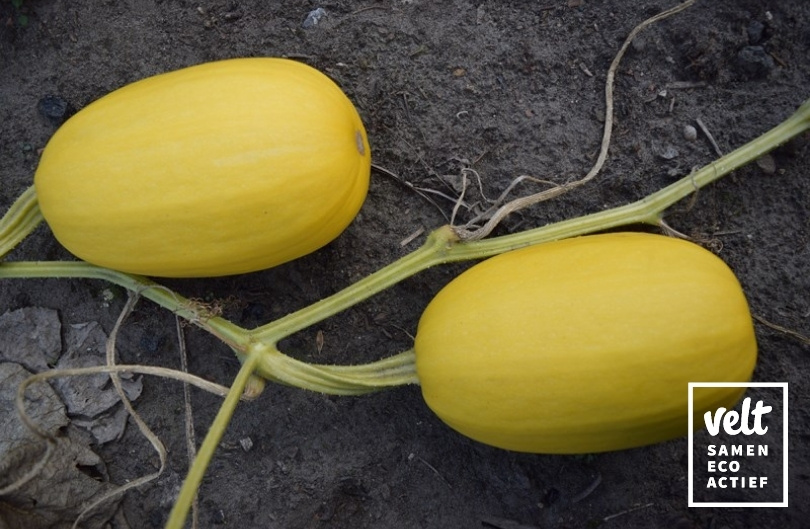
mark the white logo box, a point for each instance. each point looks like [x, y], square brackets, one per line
[784, 386]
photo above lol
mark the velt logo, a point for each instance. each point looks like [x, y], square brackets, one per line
[738, 457]
[732, 418]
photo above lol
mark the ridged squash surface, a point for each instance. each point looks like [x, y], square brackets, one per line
[585, 345]
[216, 169]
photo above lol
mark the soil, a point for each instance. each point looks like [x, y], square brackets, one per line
[504, 88]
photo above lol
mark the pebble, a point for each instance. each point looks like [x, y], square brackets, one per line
[689, 133]
[767, 164]
[753, 62]
[755, 31]
[218, 517]
[54, 109]
[669, 153]
[551, 497]
[313, 18]
[253, 312]
[150, 342]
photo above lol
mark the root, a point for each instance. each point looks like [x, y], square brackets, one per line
[465, 233]
[153, 439]
[784, 330]
[191, 440]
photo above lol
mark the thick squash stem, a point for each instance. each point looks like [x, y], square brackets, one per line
[191, 484]
[648, 210]
[392, 371]
[432, 252]
[256, 348]
[443, 246]
[266, 361]
[228, 332]
[21, 219]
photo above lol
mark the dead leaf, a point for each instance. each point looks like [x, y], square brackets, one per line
[68, 480]
[107, 427]
[31, 337]
[90, 396]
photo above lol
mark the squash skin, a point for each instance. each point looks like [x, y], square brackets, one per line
[217, 169]
[585, 345]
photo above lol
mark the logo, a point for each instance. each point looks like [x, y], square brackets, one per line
[739, 457]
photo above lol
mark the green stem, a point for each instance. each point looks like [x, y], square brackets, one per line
[442, 246]
[21, 219]
[429, 254]
[228, 332]
[648, 210]
[191, 484]
[397, 370]
[256, 349]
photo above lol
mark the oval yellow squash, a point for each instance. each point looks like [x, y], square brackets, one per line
[585, 345]
[221, 168]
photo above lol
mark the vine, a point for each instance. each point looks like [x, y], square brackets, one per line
[257, 348]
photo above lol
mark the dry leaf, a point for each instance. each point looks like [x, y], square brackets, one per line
[92, 396]
[31, 337]
[68, 480]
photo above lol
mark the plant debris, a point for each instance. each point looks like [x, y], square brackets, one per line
[90, 399]
[49, 483]
[31, 337]
[65, 482]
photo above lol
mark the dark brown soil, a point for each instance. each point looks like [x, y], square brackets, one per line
[505, 88]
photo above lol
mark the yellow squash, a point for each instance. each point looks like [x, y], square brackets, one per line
[585, 345]
[217, 169]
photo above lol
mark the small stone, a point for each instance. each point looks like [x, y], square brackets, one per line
[246, 443]
[54, 109]
[253, 312]
[231, 16]
[313, 18]
[753, 62]
[767, 164]
[689, 133]
[755, 31]
[679, 522]
[218, 518]
[385, 492]
[551, 497]
[669, 153]
[150, 342]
